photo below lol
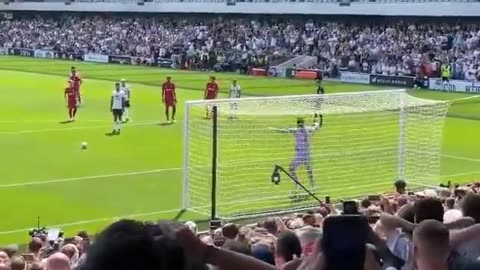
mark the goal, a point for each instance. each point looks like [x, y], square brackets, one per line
[367, 141]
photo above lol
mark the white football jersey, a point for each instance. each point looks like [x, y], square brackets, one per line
[235, 91]
[126, 90]
[118, 98]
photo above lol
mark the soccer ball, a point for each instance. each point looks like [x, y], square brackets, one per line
[84, 145]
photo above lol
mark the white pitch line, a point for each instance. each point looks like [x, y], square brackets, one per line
[72, 179]
[462, 158]
[72, 128]
[53, 121]
[460, 174]
[82, 222]
[465, 98]
[63, 180]
[56, 121]
[70, 224]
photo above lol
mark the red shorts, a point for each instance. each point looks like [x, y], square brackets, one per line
[169, 103]
[72, 105]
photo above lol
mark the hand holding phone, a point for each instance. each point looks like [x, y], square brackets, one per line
[344, 237]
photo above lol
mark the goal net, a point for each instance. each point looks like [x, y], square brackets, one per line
[367, 140]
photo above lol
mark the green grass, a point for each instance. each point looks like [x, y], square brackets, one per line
[138, 173]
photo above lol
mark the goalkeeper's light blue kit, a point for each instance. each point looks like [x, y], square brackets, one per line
[302, 147]
[302, 153]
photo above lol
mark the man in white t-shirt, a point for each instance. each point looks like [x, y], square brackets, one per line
[117, 106]
[235, 92]
[126, 90]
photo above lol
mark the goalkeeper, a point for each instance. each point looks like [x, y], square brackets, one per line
[302, 148]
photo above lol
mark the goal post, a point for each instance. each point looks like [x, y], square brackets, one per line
[367, 141]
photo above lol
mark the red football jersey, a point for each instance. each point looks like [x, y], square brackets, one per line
[211, 90]
[71, 96]
[76, 80]
[168, 91]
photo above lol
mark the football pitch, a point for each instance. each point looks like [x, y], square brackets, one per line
[138, 174]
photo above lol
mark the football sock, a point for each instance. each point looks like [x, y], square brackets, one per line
[116, 126]
[126, 113]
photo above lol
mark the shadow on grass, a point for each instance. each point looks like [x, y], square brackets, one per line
[65, 122]
[165, 124]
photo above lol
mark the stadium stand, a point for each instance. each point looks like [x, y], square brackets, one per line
[388, 48]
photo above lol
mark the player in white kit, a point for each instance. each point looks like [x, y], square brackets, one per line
[126, 89]
[117, 106]
[235, 92]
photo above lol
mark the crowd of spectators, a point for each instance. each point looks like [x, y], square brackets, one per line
[434, 229]
[393, 47]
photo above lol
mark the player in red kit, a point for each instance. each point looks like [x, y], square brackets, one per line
[211, 92]
[169, 98]
[76, 82]
[71, 99]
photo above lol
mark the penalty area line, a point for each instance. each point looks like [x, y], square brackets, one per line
[461, 158]
[53, 121]
[72, 179]
[74, 128]
[56, 121]
[92, 221]
[459, 174]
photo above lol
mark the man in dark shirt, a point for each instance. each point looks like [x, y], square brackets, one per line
[320, 91]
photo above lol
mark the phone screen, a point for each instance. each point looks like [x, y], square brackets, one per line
[374, 197]
[214, 224]
[345, 236]
[350, 208]
[327, 199]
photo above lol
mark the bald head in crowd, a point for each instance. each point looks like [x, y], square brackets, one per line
[431, 245]
[18, 263]
[36, 266]
[308, 238]
[58, 261]
[35, 245]
[69, 250]
[3, 257]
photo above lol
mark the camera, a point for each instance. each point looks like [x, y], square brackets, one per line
[38, 232]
